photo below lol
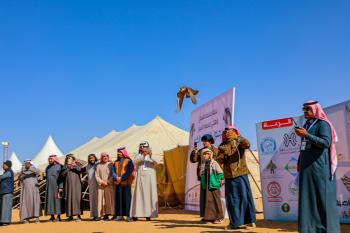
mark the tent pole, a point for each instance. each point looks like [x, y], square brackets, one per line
[256, 160]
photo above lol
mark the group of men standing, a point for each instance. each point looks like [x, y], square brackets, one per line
[110, 195]
[110, 182]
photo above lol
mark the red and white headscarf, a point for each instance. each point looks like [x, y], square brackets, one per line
[55, 158]
[126, 155]
[103, 154]
[233, 127]
[321, 115]
[229, 127]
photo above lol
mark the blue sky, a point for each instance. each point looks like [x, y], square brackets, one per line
[77, 69]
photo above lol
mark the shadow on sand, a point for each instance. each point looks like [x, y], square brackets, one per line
[262, 226]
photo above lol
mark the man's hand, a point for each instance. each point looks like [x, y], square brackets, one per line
[301, 132]
[221, 156]
[195, 148]
[118, 180]
[104, 184]
[222, 182]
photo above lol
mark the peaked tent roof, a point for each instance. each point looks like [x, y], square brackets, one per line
[85, 145]
[83, 151]
[16, 163]
[159, 133]
[50, 148]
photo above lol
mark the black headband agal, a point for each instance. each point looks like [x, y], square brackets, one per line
[311, 103]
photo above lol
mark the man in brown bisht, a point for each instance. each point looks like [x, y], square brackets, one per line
[239, 197]
[70, 173]
[196, 157]
[30, 195]
[106, 187]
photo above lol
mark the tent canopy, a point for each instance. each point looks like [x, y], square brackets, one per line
[254, 178]
[50, 148]
[16, 163]
[161, 135]
[85, 145]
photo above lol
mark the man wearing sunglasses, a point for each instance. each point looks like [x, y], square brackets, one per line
[317, 165]
[144, 203]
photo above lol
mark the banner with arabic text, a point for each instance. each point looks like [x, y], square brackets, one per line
[279, 147]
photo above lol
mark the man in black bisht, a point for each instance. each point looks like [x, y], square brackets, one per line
[70, 173]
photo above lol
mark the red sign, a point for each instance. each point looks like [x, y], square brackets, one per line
[279, 123]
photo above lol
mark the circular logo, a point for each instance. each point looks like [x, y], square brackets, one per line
[268, 146]
[285, 207]
[292, 167]
[293, 189]
[274, 189]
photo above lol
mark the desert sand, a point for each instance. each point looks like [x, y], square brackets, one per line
[170, 220]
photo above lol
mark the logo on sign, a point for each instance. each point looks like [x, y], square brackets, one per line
[285, 207]
[290, 139]
[274, 192]
[292, 167]
[268, 146]
[290, 144]
[293, 189]
[346, 181]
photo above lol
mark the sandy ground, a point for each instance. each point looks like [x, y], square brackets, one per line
[169, 221]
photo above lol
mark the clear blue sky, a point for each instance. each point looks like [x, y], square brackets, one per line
[76, 69]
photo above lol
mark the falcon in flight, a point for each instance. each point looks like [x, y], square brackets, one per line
[188, 93]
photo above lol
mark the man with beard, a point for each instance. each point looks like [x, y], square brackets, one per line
[104, 179]
[30, 195]
[123, 175]
[239, 197]
[144, 202]
[90, 169]
[317, 166]
[54, 189]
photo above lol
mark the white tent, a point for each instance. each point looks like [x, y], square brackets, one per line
[90, 147]
[16, 163]
[50, 148]
[161, 135]
[89, 143]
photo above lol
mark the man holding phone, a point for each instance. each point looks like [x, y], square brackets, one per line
[317, 165]
[71, 173]
[144, 203]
